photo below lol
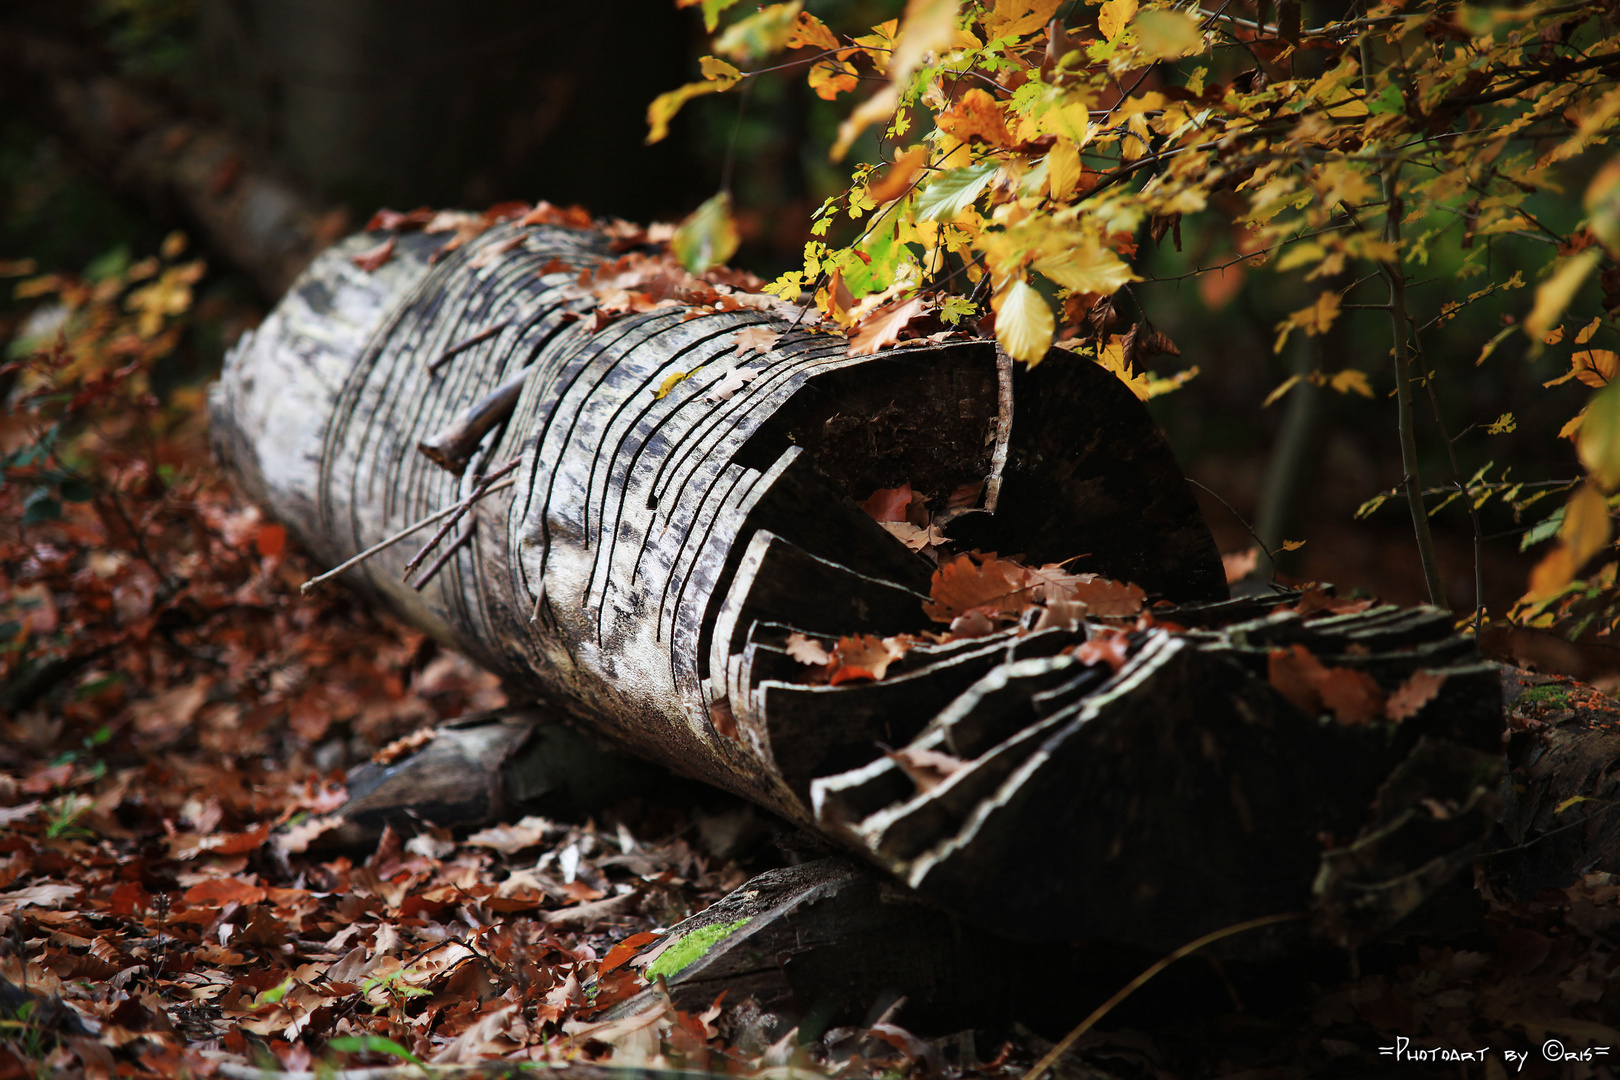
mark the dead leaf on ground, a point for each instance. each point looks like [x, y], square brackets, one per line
[1351, 696]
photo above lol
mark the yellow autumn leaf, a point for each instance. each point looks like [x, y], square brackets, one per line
[1113, 17]
[1062, 169]
[1168, 34]
[1112, 358]
[666, 105]
[1281, 389]
[1603, 206]
[1086, 266]
[708, 236]
[1024, 322]
[669, 384]
[1351, 381]
[1554, 295]
[928, 27]
[1016, 18]
[1598, 440]
[1586, 529]
[1314, 320]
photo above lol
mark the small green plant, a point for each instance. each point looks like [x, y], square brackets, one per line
[62, 816]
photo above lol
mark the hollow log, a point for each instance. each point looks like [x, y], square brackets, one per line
[686, 498]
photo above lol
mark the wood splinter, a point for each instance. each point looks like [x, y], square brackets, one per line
[452, 446]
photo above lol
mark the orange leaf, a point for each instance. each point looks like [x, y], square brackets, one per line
[271, 541]
[1352, 696]
[372, 259]
[888, 504]
[865, 656]
[896, 180]
[883, 326]
[623, 951]
[976, 115]
[1416, 692]
[963, 584]
[218, 892]
[1240, 564]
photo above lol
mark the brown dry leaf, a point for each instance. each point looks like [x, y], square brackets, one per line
[914, 537]
[1102, 597]
[883, 326]
[807, 650]
[1316, 599]
[1105, 646]
[494, 251]
[402, 746]
[889, 504]
[297, 838]
[1352, 696]
[756, 338]
[926, 768]
[1410, 697]
[165, 717]
[967, 582]
[865, 656]
[1240, 564]
[530, 832]
[373, 259]
[46, 896]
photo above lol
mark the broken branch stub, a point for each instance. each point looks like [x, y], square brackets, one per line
[685, 504]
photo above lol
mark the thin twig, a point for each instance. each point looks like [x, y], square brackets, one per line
[1241, 520]
[460, 509]
[1135, 984]
[462, 346]
[402, 534]
[454, 546]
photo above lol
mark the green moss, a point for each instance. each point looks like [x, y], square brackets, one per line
[1549, 694]
[692, 948]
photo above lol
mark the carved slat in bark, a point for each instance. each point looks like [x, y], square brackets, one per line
[646, 569]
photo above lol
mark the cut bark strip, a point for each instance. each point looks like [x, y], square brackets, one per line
[462, 346]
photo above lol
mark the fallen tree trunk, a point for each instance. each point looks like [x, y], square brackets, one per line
[685, 497]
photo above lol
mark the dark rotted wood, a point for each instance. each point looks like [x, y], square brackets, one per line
[683, 503]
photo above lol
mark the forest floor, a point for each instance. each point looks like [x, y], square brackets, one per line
[173, 710]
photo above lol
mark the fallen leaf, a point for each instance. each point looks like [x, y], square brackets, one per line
[888, 504]
[373, 259]
[1410, 697]
[882, 328]
[864, 656]
[728, 384]
[1352, 696]
[1240, 564]
[530, 832]
[46, 896]
[926, 768]
[756, 338]
[965, 583]
[807, 650]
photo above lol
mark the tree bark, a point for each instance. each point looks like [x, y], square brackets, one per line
[665, 535]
